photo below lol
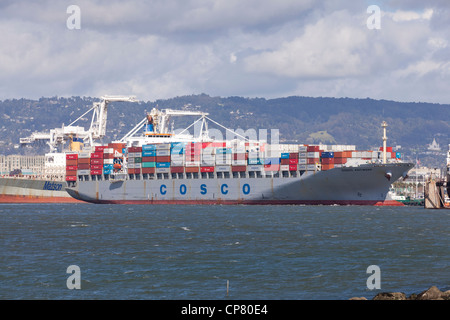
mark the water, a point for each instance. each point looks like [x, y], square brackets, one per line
[190, 252]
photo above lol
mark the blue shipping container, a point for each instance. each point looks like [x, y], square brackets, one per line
[107, 167]
[255, 161]
[285, 156]
[398, 155]
[149, 147]
[149, 153]
[272, 161]
[327, 154]
[223, 150]
[163, 164]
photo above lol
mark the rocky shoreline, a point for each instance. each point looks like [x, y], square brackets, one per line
[433, 293]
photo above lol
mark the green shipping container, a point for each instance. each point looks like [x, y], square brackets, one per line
[148, 164]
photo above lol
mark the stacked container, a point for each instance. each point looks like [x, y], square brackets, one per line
[135, 160]
[71, 166]
[148, 161]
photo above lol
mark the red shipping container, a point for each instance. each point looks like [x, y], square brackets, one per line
[284, 161]
[71, 178]
[96, 161]
[72, 162]
[84, 166]
[327, 166]
[238, 168]
[147, 170]
[96, 172]
[135, 149]
[97, 155]
[162, 158]
[191, 169]
[71, 173]
[327, 160]
[206, 169]
[239, 156]
[96, 167]
[293, 155]
[338, 154]
[293, 161]
[292, 167]
[100, 149]
[84, 160]
[312, 148]
[71, 168]
[148, 159]
[312, 160]
[177, 169]
[108, 155]
[71, 156]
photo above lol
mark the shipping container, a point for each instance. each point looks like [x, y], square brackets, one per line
[238, 162]
[255, 167]
[223, 150]
[71, 168]
[177, 169]
[313, 154]
[293, 161]
[312, 160]
[96, 161]
[162, 169]
[148, 170]
[83, 160]
[71, 156]
[293, 155]
[148, 153]
[284, 155]
[255, 161]
[328, 154]
[311, 167]
[312, 148]
[207, 169]
[340, 160]
[163, 146]
[100, 149]
[328, 160]
[284, 161]
[84, 172]
[72, 162]
[96, 172]
[222, 168]
[302, 161]
[191, 169]
[83, 166]
[327, 166]
[302, 148]
[137, 160]
[84, 155]
[302, 155]
[148, 164]
[284, 167]
[96, 167]
[148, 159]
[134, 149]
[149, 147]
[271, 161]
[71, 178]
[163, 159]
[192, 164]
[238, 168]
[71, 172]
[163, 152]
[96, 155]
[162, 164]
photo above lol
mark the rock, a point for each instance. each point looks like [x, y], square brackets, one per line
[358, 298]
[433, 293]
[390, 296]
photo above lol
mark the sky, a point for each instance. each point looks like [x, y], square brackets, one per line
[161, 49]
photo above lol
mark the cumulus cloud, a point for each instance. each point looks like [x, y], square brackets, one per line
[164, 48]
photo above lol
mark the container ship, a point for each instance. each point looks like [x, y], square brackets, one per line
[151, 165]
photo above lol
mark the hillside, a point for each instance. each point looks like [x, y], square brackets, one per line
[299, 119]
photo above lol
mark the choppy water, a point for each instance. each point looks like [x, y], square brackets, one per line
[190, 252]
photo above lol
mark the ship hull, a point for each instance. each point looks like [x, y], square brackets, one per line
[363, 185]
[20, 190]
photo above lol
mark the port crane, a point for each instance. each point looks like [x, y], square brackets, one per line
[59, 136]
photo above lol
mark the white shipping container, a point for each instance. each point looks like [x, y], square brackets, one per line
[302, 161]
[356, 154]
[284, 167]
[131, 165]
[163, 152]
[137, 165]
[223, 161]
[84, 155]
[302, 167]
[108, 161]
[311, 167]
[302, 148]
[239, 162]
[177, 163]
[192, 163]
[312, 154]
[162, 170]
[222, 168]
[131, 160]
[134, 154]
[255, 168]
[83, 172]
[302, 154]
[163, 146]
[108, 150]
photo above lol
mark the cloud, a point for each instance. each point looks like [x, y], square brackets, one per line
[164, 48]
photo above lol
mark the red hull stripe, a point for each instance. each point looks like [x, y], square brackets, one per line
[30, 199]
[257, 202]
